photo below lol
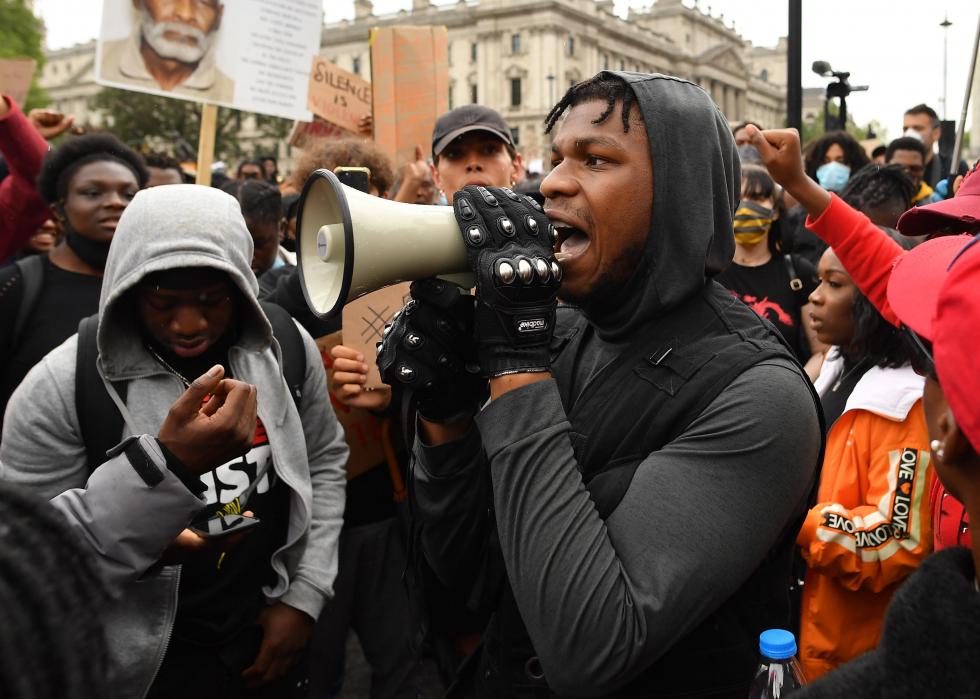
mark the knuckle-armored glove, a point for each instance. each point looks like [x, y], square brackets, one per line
[426, 350]
[509, 246]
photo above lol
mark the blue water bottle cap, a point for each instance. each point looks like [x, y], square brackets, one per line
[777, 644]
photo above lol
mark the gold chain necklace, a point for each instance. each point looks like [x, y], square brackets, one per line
[168, 367]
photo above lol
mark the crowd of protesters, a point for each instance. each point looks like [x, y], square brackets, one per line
[711, 381]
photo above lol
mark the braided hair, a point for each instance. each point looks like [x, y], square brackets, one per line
[876, 185]
[602, 87]
[51, 638]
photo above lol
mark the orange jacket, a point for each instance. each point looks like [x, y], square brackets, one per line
[871, 527]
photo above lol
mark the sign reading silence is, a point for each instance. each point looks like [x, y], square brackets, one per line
[338, 96]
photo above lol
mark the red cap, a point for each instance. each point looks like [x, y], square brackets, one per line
[956, 336]
[914, 284]
[959, 214]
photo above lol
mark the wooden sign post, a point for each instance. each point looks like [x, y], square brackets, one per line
[205, 143]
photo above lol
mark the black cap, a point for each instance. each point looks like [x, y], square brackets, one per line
[469, 117]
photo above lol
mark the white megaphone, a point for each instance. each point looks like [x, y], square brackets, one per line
[351, 243]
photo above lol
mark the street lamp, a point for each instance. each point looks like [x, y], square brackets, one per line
[945, 24]
[841, 88]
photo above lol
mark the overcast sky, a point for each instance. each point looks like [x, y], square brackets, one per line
[894, 46]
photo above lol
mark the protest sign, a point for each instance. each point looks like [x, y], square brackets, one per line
[252, 55]
[15, 77]
[410, 81]
[305, 134]
[364, 321]
[340, 97]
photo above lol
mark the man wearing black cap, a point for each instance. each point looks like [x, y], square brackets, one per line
[473, 144]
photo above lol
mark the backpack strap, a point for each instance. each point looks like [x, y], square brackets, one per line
[99, 419]
[795, 283]
[292, 346]
[32, 279]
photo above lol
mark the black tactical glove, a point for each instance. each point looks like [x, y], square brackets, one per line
[509, 245]
[426, 350]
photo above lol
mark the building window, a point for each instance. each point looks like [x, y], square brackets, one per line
[450, 53]
[356, 65]
[473, 94]
[451, 97]
[570, 46]
[764, 75]
[515, 43]
[515, 134]
[605, 61]
[515, 92]
[622, 64]
[473, 52]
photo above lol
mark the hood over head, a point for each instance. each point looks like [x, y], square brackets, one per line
[696, 189]
[172, 227]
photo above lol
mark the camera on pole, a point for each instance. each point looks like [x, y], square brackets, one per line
[840, 88]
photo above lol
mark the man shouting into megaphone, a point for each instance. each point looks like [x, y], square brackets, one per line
[627, 501]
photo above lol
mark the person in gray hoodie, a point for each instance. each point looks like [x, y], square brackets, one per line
[626, 503]
[179, 296]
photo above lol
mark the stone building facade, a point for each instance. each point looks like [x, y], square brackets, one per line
[519, 56]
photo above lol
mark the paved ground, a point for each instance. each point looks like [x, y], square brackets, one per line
[357, 681]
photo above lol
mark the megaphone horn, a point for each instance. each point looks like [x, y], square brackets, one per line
[351, 243]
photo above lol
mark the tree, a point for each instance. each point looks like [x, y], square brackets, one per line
[146, 122]
[21, 35]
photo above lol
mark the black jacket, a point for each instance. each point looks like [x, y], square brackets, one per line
[630, 522]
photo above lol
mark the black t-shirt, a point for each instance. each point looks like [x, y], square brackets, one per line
[766, 290]
[65, 299]
[221, 593]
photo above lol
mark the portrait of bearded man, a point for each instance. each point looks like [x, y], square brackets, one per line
[171, 48]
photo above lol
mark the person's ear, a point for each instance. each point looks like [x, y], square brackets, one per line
[217, 18]
[435, 175]
[283, 224]
[517, 170]
[956, 447]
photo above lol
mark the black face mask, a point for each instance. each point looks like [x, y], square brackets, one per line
[91, 252]
[289, 244]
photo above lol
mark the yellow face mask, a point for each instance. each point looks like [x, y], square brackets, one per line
[752, 222]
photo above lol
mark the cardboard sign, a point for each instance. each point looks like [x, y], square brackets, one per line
[305, 134]
[252, 55]
[362, 429]
[338, 96]
[364, 320]
[15, 77]
[410, 77]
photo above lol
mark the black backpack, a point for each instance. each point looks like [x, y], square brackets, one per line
[101, 422]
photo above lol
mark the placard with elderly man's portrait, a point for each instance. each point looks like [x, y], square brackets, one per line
[253, 55]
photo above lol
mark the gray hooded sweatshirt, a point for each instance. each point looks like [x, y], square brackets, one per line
[167, 228]
[604, 597]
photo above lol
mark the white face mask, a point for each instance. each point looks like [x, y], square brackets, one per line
[154, 33]
[912, 133]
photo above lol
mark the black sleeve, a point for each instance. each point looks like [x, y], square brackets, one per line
[453, 507]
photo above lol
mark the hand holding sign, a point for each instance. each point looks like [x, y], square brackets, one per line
[340, 97]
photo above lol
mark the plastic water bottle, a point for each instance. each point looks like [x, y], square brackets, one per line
[779, 674]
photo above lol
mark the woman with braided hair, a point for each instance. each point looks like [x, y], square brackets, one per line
[51, 640]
